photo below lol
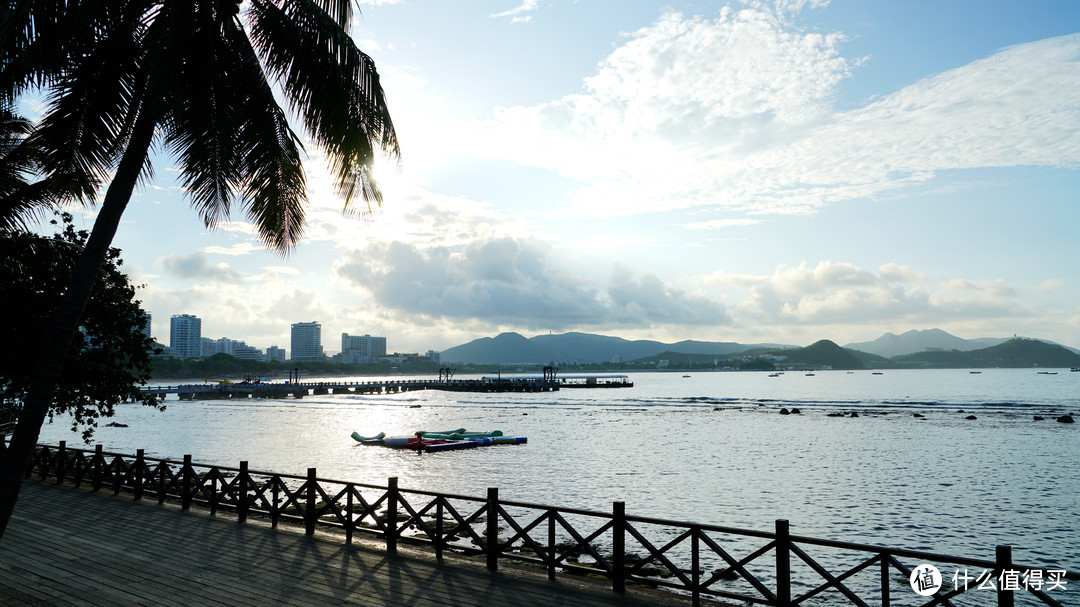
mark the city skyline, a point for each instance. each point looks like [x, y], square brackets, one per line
[744, 171]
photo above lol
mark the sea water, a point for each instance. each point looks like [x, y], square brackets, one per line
[711, 448]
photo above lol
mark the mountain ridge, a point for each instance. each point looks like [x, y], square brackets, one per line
[512, 347]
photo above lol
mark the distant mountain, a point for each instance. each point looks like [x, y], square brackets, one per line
[822, 354]
[580, 347]
[890, 345]
[1014, 353]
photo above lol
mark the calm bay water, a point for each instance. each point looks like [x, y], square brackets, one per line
[710, 448]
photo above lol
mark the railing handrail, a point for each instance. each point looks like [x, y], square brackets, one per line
[315, 500]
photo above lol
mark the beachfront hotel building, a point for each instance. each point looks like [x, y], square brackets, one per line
[185, 336]
[361, 348]
[274, 353]
[306, 341]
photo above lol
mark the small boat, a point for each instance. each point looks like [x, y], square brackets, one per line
[877, 373]
[809, 374]
[462, 435]
[974, 372]
[687, 375]
[426, 441]
[378, 437]
[1075, 369]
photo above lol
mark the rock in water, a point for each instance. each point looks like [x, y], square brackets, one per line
[1066, 419]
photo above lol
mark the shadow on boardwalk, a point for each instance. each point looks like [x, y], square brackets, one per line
[70, 547]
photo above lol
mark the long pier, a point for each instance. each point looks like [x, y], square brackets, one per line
[275, 390]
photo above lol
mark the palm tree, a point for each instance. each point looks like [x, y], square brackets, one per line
[195, 78]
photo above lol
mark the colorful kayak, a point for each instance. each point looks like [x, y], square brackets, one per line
[510, 440]
[461, 435]
[440, 441]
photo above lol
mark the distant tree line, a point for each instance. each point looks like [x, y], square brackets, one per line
[226, 365]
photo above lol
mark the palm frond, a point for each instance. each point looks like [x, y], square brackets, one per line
[274, 193]
[204, 105]
[90, 108]
[332, 85]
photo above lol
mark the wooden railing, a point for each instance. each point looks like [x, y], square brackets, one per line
[700, 561]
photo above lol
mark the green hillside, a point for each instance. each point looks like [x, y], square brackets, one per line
[821, 354]
[1015, 353]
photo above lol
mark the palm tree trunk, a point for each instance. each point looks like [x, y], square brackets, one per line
[18, 455]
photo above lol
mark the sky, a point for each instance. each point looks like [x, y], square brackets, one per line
[743, 171]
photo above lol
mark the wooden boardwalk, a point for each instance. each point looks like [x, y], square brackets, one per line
[71, 547]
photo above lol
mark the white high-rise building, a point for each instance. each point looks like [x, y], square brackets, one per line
[185, 336]
[362, 348]
[306, 341]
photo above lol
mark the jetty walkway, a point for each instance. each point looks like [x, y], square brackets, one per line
[223, 390]
[227, 390]
[67, 547]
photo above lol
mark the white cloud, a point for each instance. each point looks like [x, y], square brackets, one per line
[719, 224]
[525, 7]
[736, 112]
[843, 295]
[504, 280]
[1050, 285]
[196, 267]
[240, 248]
[288, 270]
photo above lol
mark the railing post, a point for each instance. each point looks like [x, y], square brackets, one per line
[348, 515]
[391, 514]
[1004, 563]
[163, 469]
[551, 545]
[783, 564]
[439, 538]
[43, 457]
[242, 493]
[137, 487]
[117, 474]
[309, 509]
[96, 474]
[275, 495]
[214, 476]
[695, 565]
[61, 462]
[78, 468]
[492, 543]
[886, 599]
[185, 484]
[618, 546]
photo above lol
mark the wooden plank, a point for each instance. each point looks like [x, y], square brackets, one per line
[69, 546]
